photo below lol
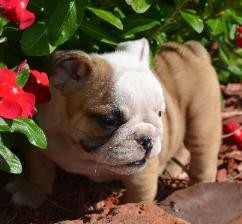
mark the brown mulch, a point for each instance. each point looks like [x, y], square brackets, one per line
[230, 157]
[81, 196]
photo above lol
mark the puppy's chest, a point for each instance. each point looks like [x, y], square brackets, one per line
[90, 169]
[71, 160]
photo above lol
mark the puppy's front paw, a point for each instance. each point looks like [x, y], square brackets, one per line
[25, 193]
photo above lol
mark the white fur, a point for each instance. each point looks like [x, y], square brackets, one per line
[136, 90]
[139, 49]
[132, 77]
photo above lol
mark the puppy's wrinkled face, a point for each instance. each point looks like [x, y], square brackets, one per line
[114, 105]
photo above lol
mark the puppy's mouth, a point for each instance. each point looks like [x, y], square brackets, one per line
[137, 163]
[129, 168]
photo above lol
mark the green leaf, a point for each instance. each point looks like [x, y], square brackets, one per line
[34, 41]
[232, 31]
[9, 162]
[3, 22]
[4, 126]
[139, 6]
[32, 131]
[2, 65]
[195, 21]
[237, 15]
[224, 55]
[119, 12]
[224, 76]
[234, 69]
[23, 76]
[161, 38]
[98, 33]
[65, 20]
[136, 24]
[208, 9]
[216, 25]
[107, 16]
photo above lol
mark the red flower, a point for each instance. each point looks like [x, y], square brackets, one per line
[8, 4]
[234, 132]
[15, 10]
[38, 84]
[14, 102]
[238, 41]
[239, 29]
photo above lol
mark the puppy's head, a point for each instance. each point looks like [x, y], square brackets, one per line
[114, 105]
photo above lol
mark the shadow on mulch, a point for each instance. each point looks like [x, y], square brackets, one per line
[73, 197]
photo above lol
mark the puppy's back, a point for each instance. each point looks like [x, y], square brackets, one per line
[190, 49]
[185, 69]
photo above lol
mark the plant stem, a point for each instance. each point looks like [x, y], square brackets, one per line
[170, 19]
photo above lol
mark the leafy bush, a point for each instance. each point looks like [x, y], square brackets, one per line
[98, 25]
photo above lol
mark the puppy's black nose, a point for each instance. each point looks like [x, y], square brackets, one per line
[146, 142]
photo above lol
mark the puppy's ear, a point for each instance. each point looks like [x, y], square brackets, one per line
[139, 49]
[69, 70]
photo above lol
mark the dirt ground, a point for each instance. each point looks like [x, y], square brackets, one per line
[75, 196]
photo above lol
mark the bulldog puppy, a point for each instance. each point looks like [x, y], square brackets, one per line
[112, 117]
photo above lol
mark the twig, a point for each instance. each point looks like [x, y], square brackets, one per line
[12, 218]
[179, 164]
[57, 205]
[231, 133]
[231, 114]
[169, 20]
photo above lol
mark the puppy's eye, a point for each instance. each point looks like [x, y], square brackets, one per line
[111, 120]
[108, 122]
[159, 113]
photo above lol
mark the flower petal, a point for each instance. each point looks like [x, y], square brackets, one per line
[27, 103]
[9, 109]
[7, 76]
[15, 102]
[40, 77]
[238, 41]
[20, 15]
[38, 84]
[10, 4]
[239, 29]
[42, 93]
[10, 91]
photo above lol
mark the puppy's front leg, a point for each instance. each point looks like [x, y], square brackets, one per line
[32, 187]
[142, 186]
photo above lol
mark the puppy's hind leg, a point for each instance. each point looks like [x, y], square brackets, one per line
[203, 136]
